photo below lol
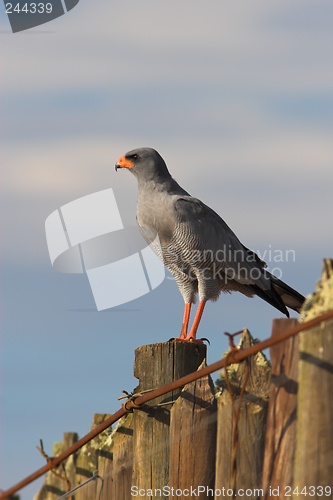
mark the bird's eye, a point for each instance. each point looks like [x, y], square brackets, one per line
[135, 157]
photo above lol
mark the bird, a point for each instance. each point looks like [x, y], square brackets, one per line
[203, 254]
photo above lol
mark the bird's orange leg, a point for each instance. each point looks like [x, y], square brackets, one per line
[192, 335]
[186, 319]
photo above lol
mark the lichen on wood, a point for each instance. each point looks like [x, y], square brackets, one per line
[259, 378]
[321, 300]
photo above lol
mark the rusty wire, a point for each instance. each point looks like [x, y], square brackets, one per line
[130, 398]
[235, 357]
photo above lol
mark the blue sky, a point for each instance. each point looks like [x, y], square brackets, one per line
[236, 96]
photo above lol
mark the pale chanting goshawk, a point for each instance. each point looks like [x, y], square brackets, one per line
[200, 250]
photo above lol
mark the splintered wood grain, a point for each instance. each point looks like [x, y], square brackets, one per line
[251, 426]
[193, 439]
[314, 449]
[280, 440]
[156, 365]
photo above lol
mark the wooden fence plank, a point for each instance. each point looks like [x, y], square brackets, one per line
[251, 427]
[156, 365]
[314, 449]
[193, 439]
[281, 421]
[115, 461]
[87, 461]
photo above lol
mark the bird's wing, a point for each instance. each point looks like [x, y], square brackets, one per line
[209, 237]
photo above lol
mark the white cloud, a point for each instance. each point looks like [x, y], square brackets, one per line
[270, 188]
[247, 44]
[228, 149]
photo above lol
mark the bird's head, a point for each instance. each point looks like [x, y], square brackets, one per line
[145, 163]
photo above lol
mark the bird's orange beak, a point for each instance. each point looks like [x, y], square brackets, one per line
[123, 163]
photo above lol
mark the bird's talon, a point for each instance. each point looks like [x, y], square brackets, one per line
[193, 339]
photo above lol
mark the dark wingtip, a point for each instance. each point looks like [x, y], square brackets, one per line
[271, 296]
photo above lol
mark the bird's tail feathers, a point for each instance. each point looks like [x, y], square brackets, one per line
[290, 297]
[280, 295]
[271, 296]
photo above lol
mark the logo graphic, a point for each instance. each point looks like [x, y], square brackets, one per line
[87, 235]
[23, 15]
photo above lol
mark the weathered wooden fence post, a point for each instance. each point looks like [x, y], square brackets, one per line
[314, 448]
[193, 440]
[156, 365]
[251, 427]
[281, 420]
